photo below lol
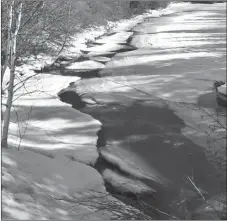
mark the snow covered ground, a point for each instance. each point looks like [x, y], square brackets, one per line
[51, 145]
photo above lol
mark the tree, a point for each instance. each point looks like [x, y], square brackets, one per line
[20, 40]
[14, 14]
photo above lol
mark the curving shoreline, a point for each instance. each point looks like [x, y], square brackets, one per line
[72, 96]
[115, 115]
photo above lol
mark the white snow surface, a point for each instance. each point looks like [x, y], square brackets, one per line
[222, 89]
[86, 65]
[120, 37]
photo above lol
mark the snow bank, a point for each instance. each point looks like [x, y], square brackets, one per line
[46, 123]
[120, 37]
[79, 40]
[32, 183]
[222, 89]
[86, 65]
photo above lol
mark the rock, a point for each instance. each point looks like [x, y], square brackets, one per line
[71, 96]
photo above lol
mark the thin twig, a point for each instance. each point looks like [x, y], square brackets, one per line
[197, 189]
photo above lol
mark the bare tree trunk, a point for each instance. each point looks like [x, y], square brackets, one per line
[12, 44]
[10, 19]
[6, 62]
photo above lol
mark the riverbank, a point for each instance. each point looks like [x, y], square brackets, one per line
[46, 170]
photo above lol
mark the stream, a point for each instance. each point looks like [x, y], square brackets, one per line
[145, 97]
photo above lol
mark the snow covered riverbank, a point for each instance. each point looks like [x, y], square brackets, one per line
[51, 146]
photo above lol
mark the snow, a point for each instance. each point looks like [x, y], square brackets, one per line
[126, 25]
[171, 41]
[46, 122]
[86, 65]
[120, 37]
[55, 139]
[56, 175]
[100, 59]
[51, 144]
[30, 184]
[155, 59]
[100, 53]
[222, 89]
[108, 47]
[125, 185]
[129, 165]
[90, 34]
